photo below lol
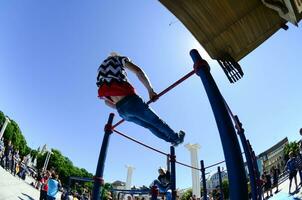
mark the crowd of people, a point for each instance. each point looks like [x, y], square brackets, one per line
[49, 185]
[269, 181]
[11, 160]
[293, 167]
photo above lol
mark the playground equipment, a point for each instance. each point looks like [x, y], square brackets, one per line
[229, 140]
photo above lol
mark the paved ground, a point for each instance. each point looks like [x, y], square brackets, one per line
[283, 192]
[14, 188]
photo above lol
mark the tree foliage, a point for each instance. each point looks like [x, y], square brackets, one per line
[105, 191]
[62, 165]
[225, 189]
[187, 194]
[14, 134]
[292, 146]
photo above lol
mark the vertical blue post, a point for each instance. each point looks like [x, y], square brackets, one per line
[173, 172]
[256, 170]
[248, 157]
[203, 177]
[98, 179]
[229, 140]
[220, 183]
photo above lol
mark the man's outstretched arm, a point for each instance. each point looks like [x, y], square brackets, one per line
[143, 78]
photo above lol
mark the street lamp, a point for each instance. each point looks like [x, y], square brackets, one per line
[46, 160]
[4, 126]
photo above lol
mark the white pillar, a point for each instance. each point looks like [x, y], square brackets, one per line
[129, 177]
[193, 148]
[4, 127]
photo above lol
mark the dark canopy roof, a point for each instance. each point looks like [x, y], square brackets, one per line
[234, 27]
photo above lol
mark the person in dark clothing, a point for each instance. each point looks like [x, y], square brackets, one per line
[163, 183]
[7, 153]
[275, 171]
[291, 167]
[15, 160]
[44, 187]
[268, 184]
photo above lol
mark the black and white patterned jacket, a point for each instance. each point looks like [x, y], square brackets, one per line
[112, 69]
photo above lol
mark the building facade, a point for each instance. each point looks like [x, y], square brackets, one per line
[273, 157]
[213, 182]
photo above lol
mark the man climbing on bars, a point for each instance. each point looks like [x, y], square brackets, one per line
[117, 92]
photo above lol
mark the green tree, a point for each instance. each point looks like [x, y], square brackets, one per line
[291, 146]
[105, 191]
[187, 194]
[33, 154]
[62, 165]
[2, 119]
[14, 134]
[225, 189]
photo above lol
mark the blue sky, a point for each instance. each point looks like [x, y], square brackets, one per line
[49, 54]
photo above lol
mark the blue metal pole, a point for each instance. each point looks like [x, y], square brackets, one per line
[229, 140]
[256, 171]
[203, 177]
[220, 183]
[98, 179]
[173, 172]
[248, 157]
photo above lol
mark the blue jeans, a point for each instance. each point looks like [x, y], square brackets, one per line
[132, 108]
[163, 189]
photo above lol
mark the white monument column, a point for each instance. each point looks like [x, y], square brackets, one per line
[4, 127]
[193, 148]
[129, 176]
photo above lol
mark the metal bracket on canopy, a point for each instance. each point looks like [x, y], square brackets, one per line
[231, 68]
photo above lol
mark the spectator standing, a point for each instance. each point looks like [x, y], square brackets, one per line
[15, 161]
[299, 166]
[163, 183]
[275, 172]
[1, 147]
[291, 167]
[9, 161]
[44, 187]
[268, 184]
[53, 186]
[8, 150]
[262, 185]
[299, 160]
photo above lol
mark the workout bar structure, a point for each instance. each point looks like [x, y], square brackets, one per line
[163, 92]
[98, 179]
[248, 153]
[229, 140]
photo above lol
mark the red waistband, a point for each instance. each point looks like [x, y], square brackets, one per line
[116, 89]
